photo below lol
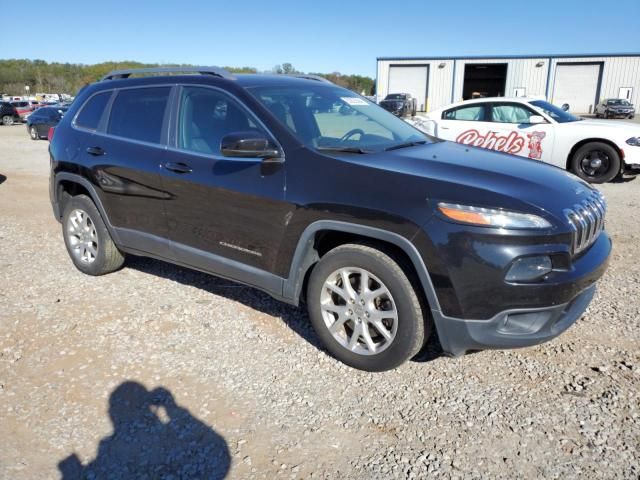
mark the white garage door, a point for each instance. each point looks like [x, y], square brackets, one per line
[410, 79]
[576, 85]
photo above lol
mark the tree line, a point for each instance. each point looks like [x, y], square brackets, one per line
[56, 77]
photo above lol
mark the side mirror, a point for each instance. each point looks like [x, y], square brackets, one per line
[536, 119]
[248, 145]
[565, 107]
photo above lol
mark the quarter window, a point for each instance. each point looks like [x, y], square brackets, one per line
[206, 116]
[510, 113]
[138, 113]
[471, 113]
[91, 112]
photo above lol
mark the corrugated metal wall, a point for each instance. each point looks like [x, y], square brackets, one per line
[440, 79]
[617, 72]
[521, 73]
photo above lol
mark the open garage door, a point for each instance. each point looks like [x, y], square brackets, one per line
[410, 79]
[577, 85]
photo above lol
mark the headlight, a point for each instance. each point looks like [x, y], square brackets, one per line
[491, 217]
[634, 141]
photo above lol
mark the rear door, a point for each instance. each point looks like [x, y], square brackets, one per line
[464, 124]
[124, 155]
[516, 135]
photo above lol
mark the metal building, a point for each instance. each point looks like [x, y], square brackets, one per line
[579, 80]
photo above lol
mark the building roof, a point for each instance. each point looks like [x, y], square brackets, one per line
[508, 57]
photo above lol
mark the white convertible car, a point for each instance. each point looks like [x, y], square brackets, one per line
[595, 150]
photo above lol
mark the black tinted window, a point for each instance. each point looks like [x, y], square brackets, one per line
[91, 112]
[138, 113]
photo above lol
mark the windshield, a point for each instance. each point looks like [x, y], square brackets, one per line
[395, 96]
[332, 118]
[618, 102]
[554, 112]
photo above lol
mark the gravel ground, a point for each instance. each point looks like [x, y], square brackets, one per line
[159, 372]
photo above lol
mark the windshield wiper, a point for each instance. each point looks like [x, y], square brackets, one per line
[343, 149]
[404, 145]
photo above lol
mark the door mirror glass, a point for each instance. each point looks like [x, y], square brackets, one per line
[536, 119]
[249, 144]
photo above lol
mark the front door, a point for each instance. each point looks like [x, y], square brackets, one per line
[226, 214]
[510, 121]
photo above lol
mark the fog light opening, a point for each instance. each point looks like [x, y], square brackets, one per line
[528, 269]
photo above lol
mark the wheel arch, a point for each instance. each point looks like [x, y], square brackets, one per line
[72, 184]
[581, 143]
[323, 235]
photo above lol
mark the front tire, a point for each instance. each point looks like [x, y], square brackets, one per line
[596, 162]
[87, 239]
[7, 120]
[364, 309]
[33, 133]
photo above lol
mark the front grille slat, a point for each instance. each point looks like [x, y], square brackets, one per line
[587, 221]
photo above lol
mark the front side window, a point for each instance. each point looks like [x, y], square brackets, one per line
[138, 113]
[206, 116]
[91, 112]
[469, 113]
[326, 117]
[510, 113]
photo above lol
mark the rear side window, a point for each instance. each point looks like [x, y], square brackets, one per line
[471, 113]
[91, 112]
[138, 113]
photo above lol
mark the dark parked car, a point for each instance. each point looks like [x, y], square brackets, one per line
[41, 120]
[400, 104]
[390, 235]
[615, 107]
[8, 113]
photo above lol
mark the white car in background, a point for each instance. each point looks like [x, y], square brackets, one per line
[595, 150]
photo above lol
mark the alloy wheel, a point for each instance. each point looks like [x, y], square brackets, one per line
[595, 163]
[82, 236]
[34, 133]
[359, 311]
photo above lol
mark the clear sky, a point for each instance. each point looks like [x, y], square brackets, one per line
[320, 36]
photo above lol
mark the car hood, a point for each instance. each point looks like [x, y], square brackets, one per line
[469, 175]
[607, 126]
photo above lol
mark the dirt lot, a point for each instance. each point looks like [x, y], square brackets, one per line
[159, 372]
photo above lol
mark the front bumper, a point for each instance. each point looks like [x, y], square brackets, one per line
[530, 313]
[512, 328]
[620, 113]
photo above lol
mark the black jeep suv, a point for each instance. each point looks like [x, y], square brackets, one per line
[400, 104]
[389, 235]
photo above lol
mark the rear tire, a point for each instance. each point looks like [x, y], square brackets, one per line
[7, 120]
[87, 239]
[386, 316]
[596, 162]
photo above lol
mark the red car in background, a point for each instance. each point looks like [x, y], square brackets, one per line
[25, 107]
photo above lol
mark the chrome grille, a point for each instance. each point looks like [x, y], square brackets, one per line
[586, 220]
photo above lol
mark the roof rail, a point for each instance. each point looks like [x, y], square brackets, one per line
[216, 71]
[308, 76]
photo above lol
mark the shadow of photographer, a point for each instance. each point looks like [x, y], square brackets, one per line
[153, 437]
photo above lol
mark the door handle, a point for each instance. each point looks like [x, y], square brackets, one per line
[95, 151]
[178, 167]
[444, 128]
